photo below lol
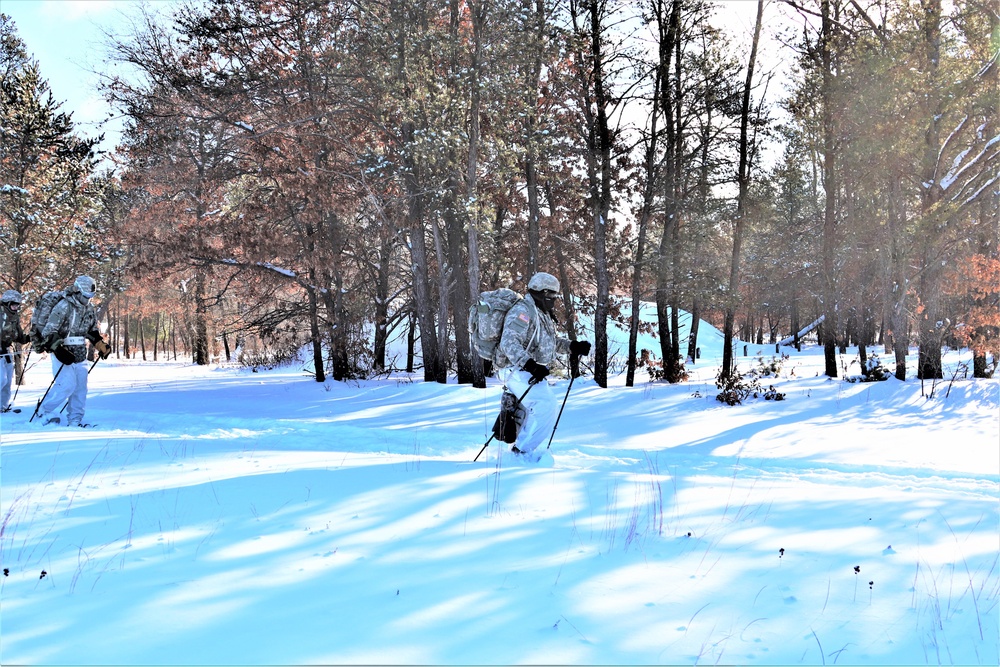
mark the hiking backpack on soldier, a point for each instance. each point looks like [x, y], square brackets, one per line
[40, 317]
[486, 318]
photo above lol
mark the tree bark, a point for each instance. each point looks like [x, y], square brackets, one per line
[743, 178]
[930, 327]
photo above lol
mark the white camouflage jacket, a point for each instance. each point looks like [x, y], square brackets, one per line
[73, 320]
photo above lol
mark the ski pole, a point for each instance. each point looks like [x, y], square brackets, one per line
[42, 399]
[88, 373]
[559, 416]
[531, 383]
[24, 369]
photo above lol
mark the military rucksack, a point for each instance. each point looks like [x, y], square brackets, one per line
[40, 317]
[486, 318]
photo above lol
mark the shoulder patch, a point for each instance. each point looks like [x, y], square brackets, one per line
[524, 318]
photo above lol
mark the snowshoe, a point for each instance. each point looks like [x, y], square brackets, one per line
[538, 457]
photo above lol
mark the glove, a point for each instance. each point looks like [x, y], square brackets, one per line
[579, 348]
[103, 349]
[53, 344]
[538, 371]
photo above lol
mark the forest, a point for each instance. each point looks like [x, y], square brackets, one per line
[332, 175]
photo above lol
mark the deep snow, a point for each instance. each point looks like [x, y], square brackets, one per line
[218, 515]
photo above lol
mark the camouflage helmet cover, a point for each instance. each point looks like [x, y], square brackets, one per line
[10, 296]
[86, 285]
[541, 282]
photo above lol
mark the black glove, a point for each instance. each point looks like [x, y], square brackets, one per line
[538, 371]
[579, 348]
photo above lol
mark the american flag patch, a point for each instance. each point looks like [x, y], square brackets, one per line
[524, 318]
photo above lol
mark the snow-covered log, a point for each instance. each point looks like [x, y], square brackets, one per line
[809, 327]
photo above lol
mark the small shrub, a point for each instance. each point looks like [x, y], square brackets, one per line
[736, 387]
[773, 394]
[654, 367]
[769, 368]
[269, 359]
[873, 371]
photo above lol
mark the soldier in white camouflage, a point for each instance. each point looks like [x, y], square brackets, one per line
[12, 336]
[530, 343]
[70, 325]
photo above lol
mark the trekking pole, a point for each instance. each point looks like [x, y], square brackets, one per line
[24, 369]
[531, 383]
[559, 416]
[42, 399]
[88, 373]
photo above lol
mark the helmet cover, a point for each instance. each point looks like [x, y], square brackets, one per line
[10, 296]
[543, 282]
[86, 285]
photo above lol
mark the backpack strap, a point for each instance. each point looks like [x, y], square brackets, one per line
[535, 337]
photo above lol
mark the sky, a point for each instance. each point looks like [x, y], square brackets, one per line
[67, 40]
[67, 37]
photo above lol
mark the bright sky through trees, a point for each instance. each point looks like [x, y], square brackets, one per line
[66, 37]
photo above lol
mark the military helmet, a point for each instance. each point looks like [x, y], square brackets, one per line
[10, 296]
[543, 282]
[86, 285]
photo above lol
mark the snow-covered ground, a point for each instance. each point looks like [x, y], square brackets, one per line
[218, 515]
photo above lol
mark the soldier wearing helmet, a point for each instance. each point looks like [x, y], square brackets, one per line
[11, 334]
[70, 325]
[530, 342]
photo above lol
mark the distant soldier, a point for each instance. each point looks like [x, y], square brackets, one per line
[11, 334]
[70, 324]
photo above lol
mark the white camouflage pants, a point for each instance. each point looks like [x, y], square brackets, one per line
[540, 406]
[6, 379]
[71, 384]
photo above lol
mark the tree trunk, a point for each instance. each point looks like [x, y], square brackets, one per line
[595, 103]
[464, 355]
[423, 302]
[411, 341]
[446, 283]
[473, 273]
[574, 361]
[381, 307]
[743, 177]
[898, 320]
[201, 351]
[692, 351]
[602, 201]
[930, 327]
[830, 325]
[314, 333]
[669, 32]
[650, 171]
